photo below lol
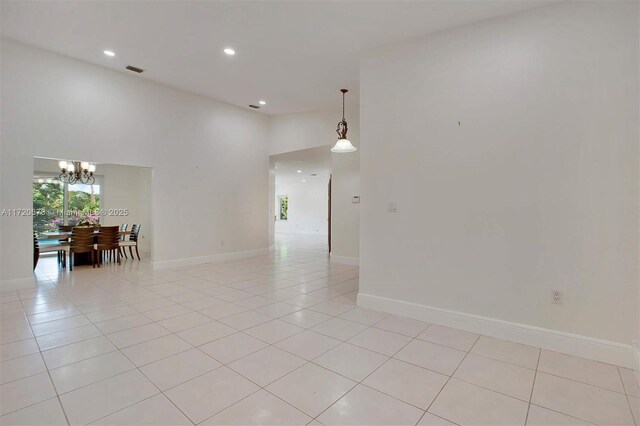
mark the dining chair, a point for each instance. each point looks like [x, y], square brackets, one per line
[63, 228]
[108, 246]
[133, 240]
[82, 241]
[36, 251]
[60, 247]
[123, 237]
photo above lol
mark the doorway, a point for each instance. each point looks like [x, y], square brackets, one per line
[301, 195]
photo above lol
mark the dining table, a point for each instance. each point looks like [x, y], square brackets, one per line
[61, 235]
[80, 258]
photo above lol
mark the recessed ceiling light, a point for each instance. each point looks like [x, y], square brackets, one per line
[229, 51]
[304, 180]
[299, 171]
[262, 102]
[109, 53]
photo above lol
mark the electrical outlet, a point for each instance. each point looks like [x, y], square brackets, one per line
[556, 296]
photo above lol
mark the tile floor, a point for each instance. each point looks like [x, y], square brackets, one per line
[275, 339]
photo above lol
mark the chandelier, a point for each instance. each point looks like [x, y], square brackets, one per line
[343, 144]
[77, 172]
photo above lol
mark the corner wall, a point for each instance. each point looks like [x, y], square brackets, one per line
[511, 150]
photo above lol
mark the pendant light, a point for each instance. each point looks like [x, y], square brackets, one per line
[343, 145]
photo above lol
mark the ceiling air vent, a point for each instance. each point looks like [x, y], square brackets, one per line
[135, 69]
[254, 106]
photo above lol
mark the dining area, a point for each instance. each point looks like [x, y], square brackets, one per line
[88, 244]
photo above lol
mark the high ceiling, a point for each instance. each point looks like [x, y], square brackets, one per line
[310, 162]
[296, 55]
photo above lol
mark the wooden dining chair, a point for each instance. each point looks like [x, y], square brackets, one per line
[82, 241]
[123, 237]
[132, 241]
[36, 251]
[108, 246]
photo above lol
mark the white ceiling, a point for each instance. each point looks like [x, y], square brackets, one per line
[294, 54]
[308, 161]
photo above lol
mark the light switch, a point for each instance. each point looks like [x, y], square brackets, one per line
[355, 199]
[392, 207]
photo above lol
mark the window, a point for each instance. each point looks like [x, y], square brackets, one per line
[56, 203]
[283, 203]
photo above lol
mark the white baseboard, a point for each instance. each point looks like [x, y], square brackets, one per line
[17, 283]
[344, 260]
[189, 261]
[559, 341]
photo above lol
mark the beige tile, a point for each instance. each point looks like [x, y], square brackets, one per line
[432, 420]
[261, 408]
[635, 408]
[306, 318]
[157, 410]
[18, 349]
[22, 367]
[539, 416]
[100, 399]
[25, 392]
[502, 350]
[74, 352]
[245, 320]
[364, 316]
[339, 329]
[594, 404]
[179, 368]
[133, 336]
[467, 404]
[331, 308]
[68, 311]
[431, 356]
[206, 395]
[154, 350]
[407, 326]
[381, 341]
[183, 322]
[278, 309]
[304, 301]
[233, 347]
[456, 339]
[223, 310]
[365, 406]
[123, 323]
[205, 333]
[629, 381]
[499, 376]
[273, 331]
[45, 413]
[311, 389]
[155, 303]
[53, 340]
[406, 382]
[582, 370]
[89, 371]
[204, 303]
[266, 365]
[111, 313]
[59, 325]
[351, 361]
[254, 302]
[308, 344]
[167, 312]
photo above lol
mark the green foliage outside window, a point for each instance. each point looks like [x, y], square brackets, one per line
[284, 207]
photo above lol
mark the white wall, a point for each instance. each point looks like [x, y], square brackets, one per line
[308, 204]
[210, 159]
[536, 189]
[295, 132]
